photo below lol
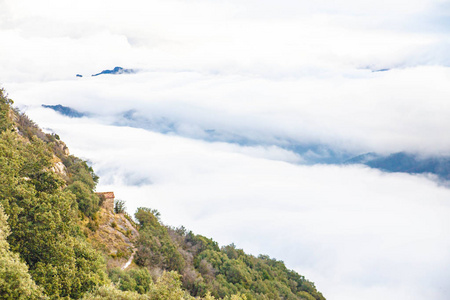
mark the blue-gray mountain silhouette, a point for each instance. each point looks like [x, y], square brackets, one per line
[116, 70]
[66, 111]
[406, 162]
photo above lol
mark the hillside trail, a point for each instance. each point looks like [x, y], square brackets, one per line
[130, 260]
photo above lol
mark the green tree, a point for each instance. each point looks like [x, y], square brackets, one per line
[5, 109]
[43, 219]
[110, 292]
[138, 280]
[15, 281]
[88, 202]
[168, 287]
[155, 248]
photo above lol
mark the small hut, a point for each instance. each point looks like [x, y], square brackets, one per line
[107, 200]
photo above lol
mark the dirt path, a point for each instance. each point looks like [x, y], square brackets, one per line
[128, 263]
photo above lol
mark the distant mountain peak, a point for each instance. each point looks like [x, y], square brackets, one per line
[66, 111]
[381, 70]
[115, 71]
[406, 163]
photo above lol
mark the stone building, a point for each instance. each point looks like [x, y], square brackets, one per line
[107, 200]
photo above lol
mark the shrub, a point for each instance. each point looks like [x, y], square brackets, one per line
[119, 206]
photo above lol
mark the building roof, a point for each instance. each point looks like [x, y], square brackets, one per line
[107, 195]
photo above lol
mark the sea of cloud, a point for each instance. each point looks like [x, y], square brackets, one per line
[205, 132]
[356, 232]
[358, 112]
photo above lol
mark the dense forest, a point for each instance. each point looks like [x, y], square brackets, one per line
[58, 242]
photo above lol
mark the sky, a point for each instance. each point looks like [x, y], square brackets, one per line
[232, 101]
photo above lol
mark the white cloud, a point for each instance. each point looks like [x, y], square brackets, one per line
[399, 110]
[54, 39]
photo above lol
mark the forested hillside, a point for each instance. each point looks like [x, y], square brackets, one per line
[56, 240]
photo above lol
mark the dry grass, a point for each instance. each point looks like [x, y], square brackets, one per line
[115, 237]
